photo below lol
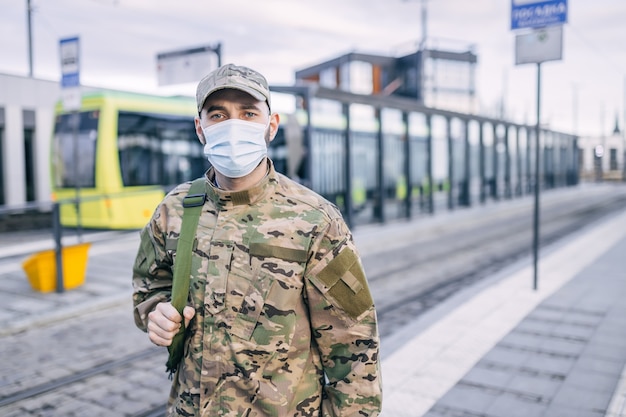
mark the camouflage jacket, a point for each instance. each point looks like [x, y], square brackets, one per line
[285, 324]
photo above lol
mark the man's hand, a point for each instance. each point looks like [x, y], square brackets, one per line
[164, 322]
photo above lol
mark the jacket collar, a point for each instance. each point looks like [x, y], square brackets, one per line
[225, 199]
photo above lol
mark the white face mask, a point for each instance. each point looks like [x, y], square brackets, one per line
[235, 147]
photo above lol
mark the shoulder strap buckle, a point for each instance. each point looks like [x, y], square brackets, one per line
[194, 200]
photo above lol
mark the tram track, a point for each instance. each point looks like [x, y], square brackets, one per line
[406, 282]
[79, 376]
[442, 265]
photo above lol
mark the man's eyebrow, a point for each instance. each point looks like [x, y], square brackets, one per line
[250, 106]
[243, 106]
[215, 107]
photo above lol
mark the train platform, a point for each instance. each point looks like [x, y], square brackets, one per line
[502, 348]
[496, 348]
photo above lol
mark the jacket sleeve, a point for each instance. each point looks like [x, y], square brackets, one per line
[344, 324]
[152, 270]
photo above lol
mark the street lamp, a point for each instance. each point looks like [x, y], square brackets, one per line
[29, 11]
[624, 135]
[420, 57]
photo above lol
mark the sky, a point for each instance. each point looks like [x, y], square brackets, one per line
[583, 93]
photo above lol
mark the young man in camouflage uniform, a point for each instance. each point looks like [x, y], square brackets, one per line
[280, 320]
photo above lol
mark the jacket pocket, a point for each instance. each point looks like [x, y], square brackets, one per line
[219, 264]
[265, 293]
[247, 305]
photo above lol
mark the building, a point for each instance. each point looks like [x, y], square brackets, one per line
[26, 124]
[437, 79]
[603, 158]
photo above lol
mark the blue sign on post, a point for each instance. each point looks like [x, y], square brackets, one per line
[70, 73]
[537, 13]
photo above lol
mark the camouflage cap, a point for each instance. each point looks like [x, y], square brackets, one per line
[233, 76]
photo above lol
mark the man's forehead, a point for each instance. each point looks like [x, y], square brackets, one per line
[241, 98]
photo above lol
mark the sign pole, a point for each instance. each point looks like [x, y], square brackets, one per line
[544, 43]
[71, 100]
[76, 117]
[537, 153]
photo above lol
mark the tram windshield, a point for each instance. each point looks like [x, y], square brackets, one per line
[158, 149]
[74, 149]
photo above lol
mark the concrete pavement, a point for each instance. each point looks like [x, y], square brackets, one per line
[496, 349]
[503, 349]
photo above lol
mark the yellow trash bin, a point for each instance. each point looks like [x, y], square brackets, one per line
[41, 268]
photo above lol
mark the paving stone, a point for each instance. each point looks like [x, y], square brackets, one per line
[472, 399]
[542, 387]
[490, 376]
[510, 407]
[564, 411]
[593, 381]
[596, 364]
[581, 398]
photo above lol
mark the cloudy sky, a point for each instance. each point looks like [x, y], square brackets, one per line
[121, 38]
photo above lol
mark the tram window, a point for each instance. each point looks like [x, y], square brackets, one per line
[74, 150]
[29, 163]
[158, 149]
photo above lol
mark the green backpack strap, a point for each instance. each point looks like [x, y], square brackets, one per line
[192, 207]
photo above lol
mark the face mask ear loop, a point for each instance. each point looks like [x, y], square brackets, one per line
[267, 128]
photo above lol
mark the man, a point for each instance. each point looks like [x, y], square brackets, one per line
[279, 319]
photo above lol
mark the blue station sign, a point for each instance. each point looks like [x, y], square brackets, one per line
[535, 14]
[70, 62]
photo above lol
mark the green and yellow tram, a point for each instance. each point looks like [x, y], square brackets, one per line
[119, 154]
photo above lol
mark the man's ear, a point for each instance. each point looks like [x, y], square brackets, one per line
[199, 131]
[274, 122]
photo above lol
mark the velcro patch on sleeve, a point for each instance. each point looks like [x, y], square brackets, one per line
[346, 283]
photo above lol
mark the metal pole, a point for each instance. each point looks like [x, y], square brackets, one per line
[424, 16]
[29, 10]
[624, 135]
[536, 217]
[348, 167]
[467, 161]
[451, 179]
[379, 211]
[56, 231]
[218, 52]
[481, 162]
[308, 140]
[429, 165]
[77, 179]
[407, 165]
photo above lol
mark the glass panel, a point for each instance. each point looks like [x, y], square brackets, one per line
[393, 142]
[488, 149]
[513, 152]
[364, 141]
[418, 133]
[439, 149]
[457, 130]
[474, 142]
